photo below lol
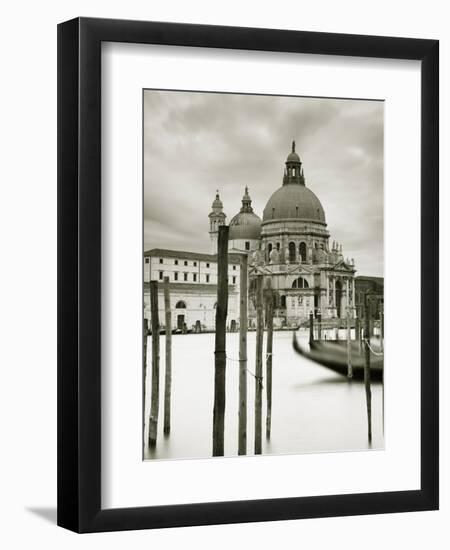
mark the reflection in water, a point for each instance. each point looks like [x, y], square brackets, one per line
[312, 409]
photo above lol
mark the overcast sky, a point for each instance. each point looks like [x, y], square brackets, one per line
[195, 143]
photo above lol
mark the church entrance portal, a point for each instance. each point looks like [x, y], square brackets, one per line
[180, 318]
[180, 321]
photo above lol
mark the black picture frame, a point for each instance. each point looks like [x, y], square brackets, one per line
[79, 274]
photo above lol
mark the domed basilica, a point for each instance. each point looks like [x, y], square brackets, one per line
[291, 246]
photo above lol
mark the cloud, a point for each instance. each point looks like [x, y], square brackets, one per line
[195, 143]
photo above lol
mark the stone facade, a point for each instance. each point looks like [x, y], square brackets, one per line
[192, 285]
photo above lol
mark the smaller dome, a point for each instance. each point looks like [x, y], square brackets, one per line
[293, 157]
[246, 224]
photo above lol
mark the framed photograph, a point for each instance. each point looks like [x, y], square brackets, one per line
[247, 275]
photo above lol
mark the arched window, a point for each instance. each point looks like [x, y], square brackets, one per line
[269, 248]
[302, 251]
[300, 283]
[292, 252]
[278, 247]
[180, 305]
[283, 301]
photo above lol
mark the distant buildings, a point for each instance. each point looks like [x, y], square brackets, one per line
[375, 286]
[290, 245]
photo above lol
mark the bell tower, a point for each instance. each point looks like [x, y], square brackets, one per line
[216, 218]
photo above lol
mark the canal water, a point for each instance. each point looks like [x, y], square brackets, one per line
[313, 409]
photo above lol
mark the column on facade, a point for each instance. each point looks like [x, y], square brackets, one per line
[353, 296]
[347, 295]
[327, 283]
[334, 295]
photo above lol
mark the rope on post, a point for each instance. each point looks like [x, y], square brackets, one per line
[258, 378]
[377, 354]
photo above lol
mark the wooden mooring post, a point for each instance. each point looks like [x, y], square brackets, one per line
[382, 350]
[349, 345]
[243, 321]
[258, 363]
[367, 368]
[311, 327]
[145, 347]
[358, 332]
[269, 348]
[168, 372]
[220, 357]
[144, 337]
[154, 403]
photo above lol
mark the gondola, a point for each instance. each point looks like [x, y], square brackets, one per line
[334, 357]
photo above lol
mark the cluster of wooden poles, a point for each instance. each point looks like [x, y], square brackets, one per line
[263, 298]
[154, 400]
[264, 301]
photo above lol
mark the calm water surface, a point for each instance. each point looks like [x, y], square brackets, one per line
[313, 409]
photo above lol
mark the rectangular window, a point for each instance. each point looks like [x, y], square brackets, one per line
[185, 276]
[247, 245]
[176, 262]
[185, 262]
[175, 276]
[147, 260]
[234, 280]
[194, 277]
[195, 264]
[207, 278]
[207, 265]
[234, 268]
[161, 274]
[160, 260]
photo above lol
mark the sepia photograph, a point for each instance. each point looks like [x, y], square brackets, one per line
[263, 275]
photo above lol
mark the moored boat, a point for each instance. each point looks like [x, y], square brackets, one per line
[334, 357]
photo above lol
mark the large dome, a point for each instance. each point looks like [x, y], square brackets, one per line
[245, 225]
[294, 201]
